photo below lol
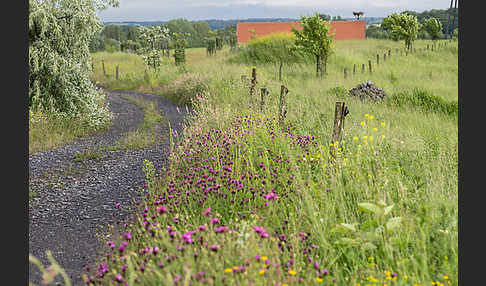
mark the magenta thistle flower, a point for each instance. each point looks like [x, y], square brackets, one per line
[118, 277]
[214, 247]
[187, 237]
[127, 236]
[221, 229]
[324, 272]
[207, 212]
[271, 196]
[214, 220]
[162, 209]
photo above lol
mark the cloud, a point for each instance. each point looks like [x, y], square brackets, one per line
[150, 10]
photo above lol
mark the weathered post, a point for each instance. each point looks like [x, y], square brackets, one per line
[354, 69]
[116, 75]
[389, 53]
[264, 93]
[369, 64]
[377, 59]
[384, 57]
[340, 112]
[427, 47]
[252, 84]
[282, 105]
[103, 65]
[362, 68]
[345, 73]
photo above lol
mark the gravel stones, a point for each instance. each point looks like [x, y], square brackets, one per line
[368, 90]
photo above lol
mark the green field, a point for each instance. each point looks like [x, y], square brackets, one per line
[383, 212]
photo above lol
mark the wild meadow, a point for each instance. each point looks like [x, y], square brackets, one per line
[248, 201]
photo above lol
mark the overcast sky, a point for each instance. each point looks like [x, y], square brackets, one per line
[164, 10]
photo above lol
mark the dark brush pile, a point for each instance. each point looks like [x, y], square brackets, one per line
[368, 90]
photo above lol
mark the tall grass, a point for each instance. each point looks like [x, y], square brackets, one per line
[246, 201]
[50, 130]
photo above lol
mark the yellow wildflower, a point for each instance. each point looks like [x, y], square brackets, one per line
[362, 123]
[261, 272]
[375, 129]
[228, 270]
[405, 277]
[445, 277]
[383, 124]
[371, 117]
[292, 272]
[355, 138]
[284, 284]
[263, 258]
[319, 279]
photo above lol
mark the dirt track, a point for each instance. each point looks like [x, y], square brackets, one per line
[77, 200]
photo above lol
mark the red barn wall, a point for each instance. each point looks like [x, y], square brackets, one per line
[343, 30]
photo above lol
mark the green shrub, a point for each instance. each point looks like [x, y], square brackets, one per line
[185, 87]
[338, 91]
[270, 49]
[425, 100]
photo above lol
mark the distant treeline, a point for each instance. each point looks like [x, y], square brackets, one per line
[375, 31]
[126, 37]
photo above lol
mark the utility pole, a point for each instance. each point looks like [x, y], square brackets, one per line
[448, 22]
[454, 15]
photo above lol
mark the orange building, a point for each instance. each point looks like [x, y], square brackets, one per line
[343, 30]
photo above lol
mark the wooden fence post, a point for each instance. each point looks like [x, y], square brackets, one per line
[345, 73]
[384, 57]
[354, 69]
[103, 65]
[282, 105]
[377, 59]
[264, 93]
[389, 53]
[340, 112]
[369, 64]
[116, 76]
[252, 84]
[427, 47]
[362, 68]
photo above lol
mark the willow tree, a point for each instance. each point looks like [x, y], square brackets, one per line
[402, 26]
[314, 38]
[60, 32]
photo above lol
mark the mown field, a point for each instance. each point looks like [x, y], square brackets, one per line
[246, 201]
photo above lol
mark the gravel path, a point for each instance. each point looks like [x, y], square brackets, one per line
[75, 201]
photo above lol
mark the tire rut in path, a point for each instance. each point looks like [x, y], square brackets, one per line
[76, 200]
